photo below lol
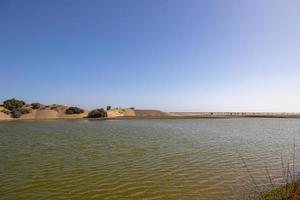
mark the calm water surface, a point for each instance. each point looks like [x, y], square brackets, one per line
[142, 159]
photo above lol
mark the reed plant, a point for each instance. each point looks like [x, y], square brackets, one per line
[288, 189]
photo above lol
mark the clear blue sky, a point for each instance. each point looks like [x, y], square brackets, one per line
[174, 55]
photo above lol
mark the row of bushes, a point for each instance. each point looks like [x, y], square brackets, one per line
[16, 108]
[36, 106]
[97, 113]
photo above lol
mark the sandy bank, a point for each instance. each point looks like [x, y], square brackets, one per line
[58, 112]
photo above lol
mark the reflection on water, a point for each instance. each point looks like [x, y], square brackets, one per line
[141, 159]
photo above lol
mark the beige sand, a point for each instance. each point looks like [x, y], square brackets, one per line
[113, 113]
[127, 113]
[53, 112]
[58, 112]
[3, 116]
[46, 112]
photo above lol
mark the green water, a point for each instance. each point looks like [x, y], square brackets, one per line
[142, 159]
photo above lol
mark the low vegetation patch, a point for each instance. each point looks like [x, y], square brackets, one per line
[97, 113]
[74, 110]
[290, 188]
[53, 107]
[290, 191]
[45, 107]
[36, 106]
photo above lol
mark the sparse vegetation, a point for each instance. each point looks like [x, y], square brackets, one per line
[5, 112]
[132, 108]
[97, 113]
[286, 192]
[74, 110]
[46, 107]
[13, 104]
[290, 188]
[24, 111]
[36, 106]
[54, 107]
[108, 108]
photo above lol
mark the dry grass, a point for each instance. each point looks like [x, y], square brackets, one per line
[290, 186]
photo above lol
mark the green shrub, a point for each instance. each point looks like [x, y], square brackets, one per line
[286, 192]
[74, 110]
[97, 113]
[36, 106]
[132, 108]
[16, 114]
[108, 107]
[13, 104]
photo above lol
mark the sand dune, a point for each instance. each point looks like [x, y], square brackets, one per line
[118, 113]
[40, 114]
[4, 116]
[58, 112]
[113, 113]
[46, 112]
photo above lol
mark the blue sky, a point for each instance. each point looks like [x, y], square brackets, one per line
[174, 55]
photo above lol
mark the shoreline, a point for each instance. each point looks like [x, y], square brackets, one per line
[18, 110]
[200, 117]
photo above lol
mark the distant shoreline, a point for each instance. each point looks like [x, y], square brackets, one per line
[186, 116]
[17, 110]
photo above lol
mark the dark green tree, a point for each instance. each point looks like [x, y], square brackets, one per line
[13, 104]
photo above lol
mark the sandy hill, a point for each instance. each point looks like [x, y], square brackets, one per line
[52, 112]
[45, 112]
[58, 112]
[113, 113]
[117, 113]
[3, 116]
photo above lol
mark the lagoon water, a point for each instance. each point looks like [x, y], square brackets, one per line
[144, 159]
